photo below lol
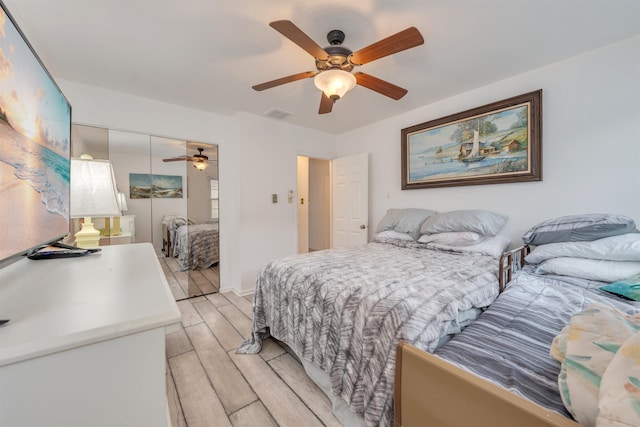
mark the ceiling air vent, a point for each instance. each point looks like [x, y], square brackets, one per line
[275, 113]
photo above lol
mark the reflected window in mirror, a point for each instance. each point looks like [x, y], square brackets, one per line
[214, 200]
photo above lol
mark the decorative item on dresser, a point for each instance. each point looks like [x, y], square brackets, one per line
[93, 194]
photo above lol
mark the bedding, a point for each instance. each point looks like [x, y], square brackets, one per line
[478, 221]
[406, 221]
[624, 247]
[585, 349]
[193, 245]
[491, 246]
[627, 288]
[574, 228]
[344, 311]
[619, 396]
[592, 269]
[509, 343]
[453, 238]
[392, 234]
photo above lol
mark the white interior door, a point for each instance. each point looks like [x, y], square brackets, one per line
[350, 214]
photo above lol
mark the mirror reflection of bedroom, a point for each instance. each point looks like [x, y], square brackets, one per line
[170, 189]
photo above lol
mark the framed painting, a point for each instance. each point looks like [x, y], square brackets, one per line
[497, 143]
[148, 186]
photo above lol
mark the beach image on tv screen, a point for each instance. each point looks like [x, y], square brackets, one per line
[35, 139]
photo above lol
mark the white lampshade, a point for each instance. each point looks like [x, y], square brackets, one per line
[93, 189]
[335, 83]
[93, 193]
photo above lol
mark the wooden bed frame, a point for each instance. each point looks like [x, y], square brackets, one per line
[510, 262]
[429, 391]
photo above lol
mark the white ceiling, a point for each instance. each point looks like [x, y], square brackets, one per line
[206, 54]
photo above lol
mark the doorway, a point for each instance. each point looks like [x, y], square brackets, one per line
[314, 204]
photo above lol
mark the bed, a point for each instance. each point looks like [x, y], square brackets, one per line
[342, 311]
[504, 358]
[193, 245]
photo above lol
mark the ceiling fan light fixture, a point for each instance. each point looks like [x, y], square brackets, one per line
[335, 83]
[200, 164]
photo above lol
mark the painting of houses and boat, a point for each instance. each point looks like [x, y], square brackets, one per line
[147, 186]
[497, 143]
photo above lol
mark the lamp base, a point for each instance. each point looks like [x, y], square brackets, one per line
[115, 230]
[88, 236]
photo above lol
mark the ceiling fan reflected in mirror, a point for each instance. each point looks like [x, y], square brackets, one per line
[200, 161]
[335, 62]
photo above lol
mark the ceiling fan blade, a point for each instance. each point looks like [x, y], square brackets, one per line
[326, 104]
[283, 80]
[398, 42]
[380, 86]
[296, 35]
[178, 159]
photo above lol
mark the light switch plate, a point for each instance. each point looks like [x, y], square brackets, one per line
[274, 198]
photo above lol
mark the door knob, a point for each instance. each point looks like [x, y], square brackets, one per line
[362, 227]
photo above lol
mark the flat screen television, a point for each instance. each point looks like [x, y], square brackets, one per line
[35, 138]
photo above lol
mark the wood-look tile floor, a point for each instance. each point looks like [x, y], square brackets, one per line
[209, 385]
[190, 283]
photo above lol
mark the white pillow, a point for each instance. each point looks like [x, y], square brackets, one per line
[625, 247]
[590, 269]
[492, 246]
[453, 238]
[392, 234]
[479, 221]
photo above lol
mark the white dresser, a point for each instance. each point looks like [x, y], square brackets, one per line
[85, 344]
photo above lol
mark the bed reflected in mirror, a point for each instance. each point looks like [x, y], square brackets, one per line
[190, 243]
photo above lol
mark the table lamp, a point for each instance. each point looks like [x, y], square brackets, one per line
[93, 194]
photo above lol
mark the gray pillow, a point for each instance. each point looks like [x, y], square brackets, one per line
[479, 221]
[578, 228]
[404, 221]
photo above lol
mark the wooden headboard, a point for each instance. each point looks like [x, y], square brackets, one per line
[429, 391]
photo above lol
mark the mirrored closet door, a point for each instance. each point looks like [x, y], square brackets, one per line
[168, 202]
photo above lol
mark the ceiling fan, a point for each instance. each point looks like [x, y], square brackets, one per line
[200, 161]
[335, 63]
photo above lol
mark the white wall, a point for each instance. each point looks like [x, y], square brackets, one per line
[591, 144]
[266, 154]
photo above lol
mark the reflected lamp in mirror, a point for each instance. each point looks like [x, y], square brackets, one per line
[122, 203]
[93, 194]
[200, 164]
